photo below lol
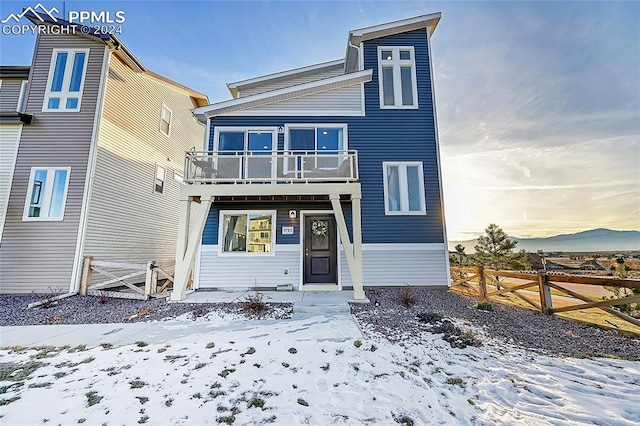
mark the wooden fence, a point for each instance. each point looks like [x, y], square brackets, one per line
[522, 285]
[130, 283]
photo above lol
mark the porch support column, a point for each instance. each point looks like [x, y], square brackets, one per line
[356, 219]
[186, 248]
[355, 265]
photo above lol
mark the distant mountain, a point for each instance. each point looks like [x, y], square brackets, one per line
[586, 241]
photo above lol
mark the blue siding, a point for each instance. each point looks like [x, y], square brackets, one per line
[210, 235]
[382, 135]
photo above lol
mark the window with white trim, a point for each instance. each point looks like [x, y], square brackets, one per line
[247, 232]
[397, 75]
[403, 188]
[158, 185]
[66, 80]
[325, 138]
[165, 120]
[47, 193]
[245, 152]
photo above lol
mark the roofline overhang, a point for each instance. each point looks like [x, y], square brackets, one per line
[357, 36]
[15, 71]
[279, 95]
[234, 87]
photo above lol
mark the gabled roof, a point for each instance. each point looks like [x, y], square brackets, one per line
[279, 95]
[237, 86]
[119, 49]
[428, 22]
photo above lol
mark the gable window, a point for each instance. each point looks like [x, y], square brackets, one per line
[165, 120]
[47, 193]
[397, 74]
[247, 232]
[158, 185]
[327, 139]
[403, 188]
[66, 80]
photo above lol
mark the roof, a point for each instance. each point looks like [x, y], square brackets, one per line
[279, 95]
[428, 22]
[237, 86]
[119, 49]
[14, 71]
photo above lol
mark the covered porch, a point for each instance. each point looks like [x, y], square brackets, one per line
[204, 191]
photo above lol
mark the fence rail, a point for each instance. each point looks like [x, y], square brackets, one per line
[130, 279]
[486, 283]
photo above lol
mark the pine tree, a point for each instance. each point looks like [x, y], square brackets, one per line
[495, 250]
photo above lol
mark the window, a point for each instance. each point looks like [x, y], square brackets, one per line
[165, 120]
[66, 80]
[247, 232]
[252, 148]
[47, 193]
[158, 185]
[403, 188]
[397, 74]
[327, 139]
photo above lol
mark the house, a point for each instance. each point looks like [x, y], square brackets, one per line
[93, 148]
[336, 164]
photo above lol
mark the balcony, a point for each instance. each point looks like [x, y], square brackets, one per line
[258, 167]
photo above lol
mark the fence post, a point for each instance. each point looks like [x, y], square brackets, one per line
[482, 282]
[546, 304]
[86, 275]
[148, 279]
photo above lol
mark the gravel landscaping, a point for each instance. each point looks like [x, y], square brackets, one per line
[389, 317]
[546, 334]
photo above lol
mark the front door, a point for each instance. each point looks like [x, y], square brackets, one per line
[320, 250]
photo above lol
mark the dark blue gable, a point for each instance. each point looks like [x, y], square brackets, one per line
[382, 135]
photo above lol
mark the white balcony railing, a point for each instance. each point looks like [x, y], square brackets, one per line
[271, 167]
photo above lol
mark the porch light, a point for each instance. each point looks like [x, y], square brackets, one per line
[293, 214]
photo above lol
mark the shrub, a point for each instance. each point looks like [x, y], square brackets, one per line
[254, 304]
[484, 306]
[406, 296]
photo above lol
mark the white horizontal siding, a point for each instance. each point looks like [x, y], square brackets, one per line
[342, 101]
[400, 264]
[9, 140]
[288, 82]
[249, 271]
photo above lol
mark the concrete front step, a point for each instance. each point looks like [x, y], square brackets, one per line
[321, 308]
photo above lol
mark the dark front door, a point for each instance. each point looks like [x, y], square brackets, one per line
[320, 250]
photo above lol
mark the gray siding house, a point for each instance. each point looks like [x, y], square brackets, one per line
[92, 150]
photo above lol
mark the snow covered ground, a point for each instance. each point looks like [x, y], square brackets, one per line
[277, 379]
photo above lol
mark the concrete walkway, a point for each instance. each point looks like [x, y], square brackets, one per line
[317, 316]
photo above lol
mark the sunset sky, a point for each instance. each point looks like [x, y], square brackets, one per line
[538, 102]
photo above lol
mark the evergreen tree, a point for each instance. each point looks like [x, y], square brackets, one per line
[495, 250]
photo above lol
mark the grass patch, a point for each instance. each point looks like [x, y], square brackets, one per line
[210, 345]
[141, 344]
[40, 385]
[256, 402]
[13, 372]
[293, 351]
[303, 402]
[137, 384]
[455, 381]
[484, 306]
[226, 419]
[143, 399]
[8, 401]
[200, 365]
[93, 398]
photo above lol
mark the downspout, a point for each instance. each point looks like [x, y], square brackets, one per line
[358, 50]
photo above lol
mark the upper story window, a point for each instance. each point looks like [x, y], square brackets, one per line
[66, 80]
[397, 74]
[403, 188]
[327, 139]
[245, 232]
[165, 120]
[47, 194]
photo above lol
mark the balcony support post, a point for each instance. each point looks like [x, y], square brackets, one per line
[352, 252]
[187, 246]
